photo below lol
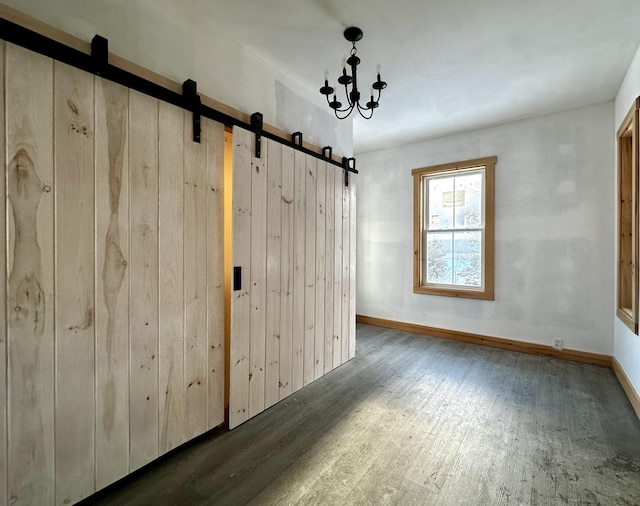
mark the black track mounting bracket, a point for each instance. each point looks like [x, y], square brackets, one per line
[193, 104]
[296, 138]
[256, 126]
[100, 54]
[348, 165]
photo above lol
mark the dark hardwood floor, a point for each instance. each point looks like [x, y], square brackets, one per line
[417, 420]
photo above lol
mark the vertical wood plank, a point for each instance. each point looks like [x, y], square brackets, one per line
[321, 170]
[258, 281]
[215, 273]
[75, 285]
[345, 274]
[143, 379]
[352, 268]
[310, 270]
[299, 217]
[286, 273]
[274, 231]
[29, 121]
[112, 282]
[241, 259]
[171, 261]
[337, 270]
[329, 267]
[3, 292]
[195, 279]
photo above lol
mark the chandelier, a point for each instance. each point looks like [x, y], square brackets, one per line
[352, 34]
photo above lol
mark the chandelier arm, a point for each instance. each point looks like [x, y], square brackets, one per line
[349, 109]
[360, 109]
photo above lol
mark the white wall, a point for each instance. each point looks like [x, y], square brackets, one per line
[626, 343]
[554, 241]
[187, 45]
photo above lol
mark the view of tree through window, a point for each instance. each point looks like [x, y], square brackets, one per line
[453, 229]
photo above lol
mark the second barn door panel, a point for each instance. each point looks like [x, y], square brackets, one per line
[291, 309]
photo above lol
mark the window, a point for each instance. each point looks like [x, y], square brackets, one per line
[627, 303]
[453, 229]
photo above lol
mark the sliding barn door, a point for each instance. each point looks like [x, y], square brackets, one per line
[293, 255]
[111, 280]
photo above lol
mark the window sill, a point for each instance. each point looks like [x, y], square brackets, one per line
[455, 292]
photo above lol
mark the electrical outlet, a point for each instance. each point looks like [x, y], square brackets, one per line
[557, 343]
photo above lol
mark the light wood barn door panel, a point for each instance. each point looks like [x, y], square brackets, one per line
[273, 252]
[195, 279]
[215, 273]
[111, 280]
[286, 273]
[241, 264]
[171, 283]
[143, 379]
[30, 297]
[290, 313]
[112, 288]
[74, 282]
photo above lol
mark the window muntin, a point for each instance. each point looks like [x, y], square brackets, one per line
[453, 229]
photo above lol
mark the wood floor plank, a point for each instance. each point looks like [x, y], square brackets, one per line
[420, 420]
[112, 282]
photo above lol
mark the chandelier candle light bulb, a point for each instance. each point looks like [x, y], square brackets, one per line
[352, 34]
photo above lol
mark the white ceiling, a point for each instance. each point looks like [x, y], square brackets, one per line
[451, 65]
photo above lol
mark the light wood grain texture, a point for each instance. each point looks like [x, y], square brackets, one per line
[241, 257]
[3, 290]
[330, 244]
[112, 282]
[310, 271]
[274, 231]
[299, 219]
[258, 281]
[30, 319]
[171, 261]
[496, 342]
[143, 378]
[352, 268]
[75, 289]
[215, 273]
[286, 273]
[319, 328]
[346, 223]
[337, 270]
[195, 279]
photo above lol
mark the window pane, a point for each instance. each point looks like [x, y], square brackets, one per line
[439, 258]
[439, 205]
[468, 211]
[467, 259]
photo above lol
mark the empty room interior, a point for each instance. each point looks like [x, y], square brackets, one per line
[319, 252]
